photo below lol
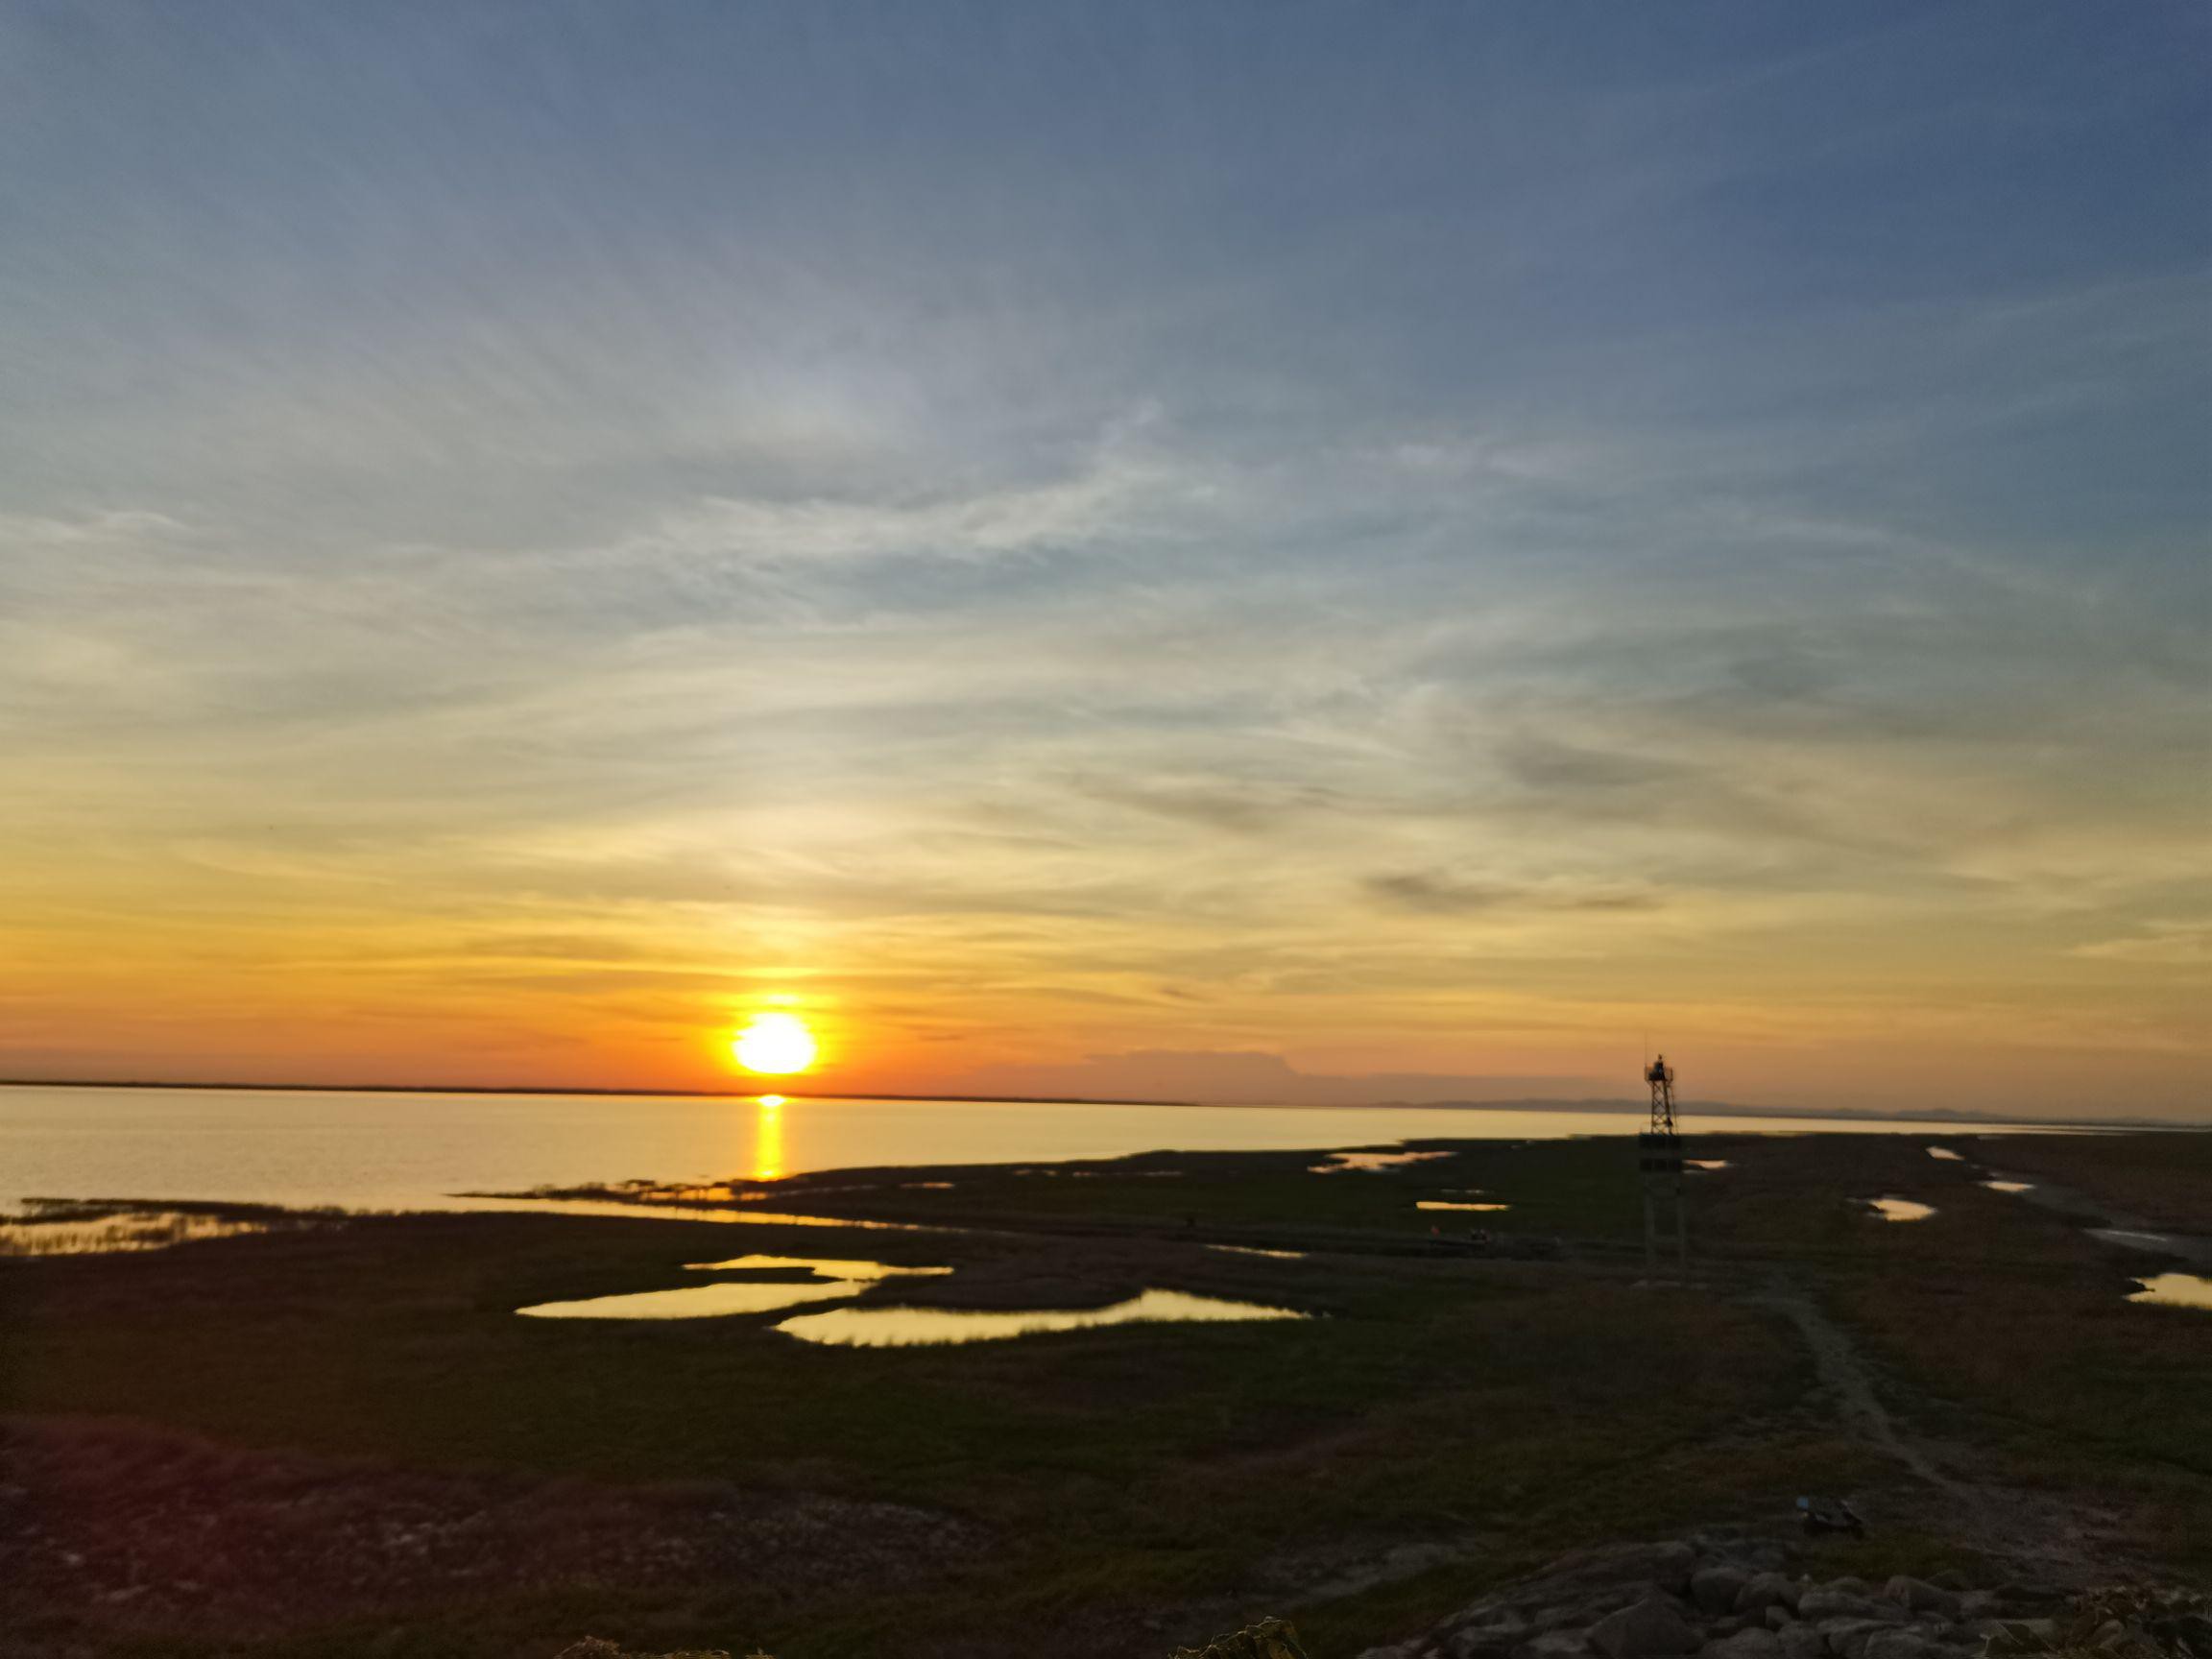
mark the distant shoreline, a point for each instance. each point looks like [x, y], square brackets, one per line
[1964, 1121]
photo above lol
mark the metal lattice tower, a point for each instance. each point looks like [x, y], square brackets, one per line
[1660, 1155]
[1661, 1076]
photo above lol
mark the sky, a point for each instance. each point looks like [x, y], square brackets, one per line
[1271, 552]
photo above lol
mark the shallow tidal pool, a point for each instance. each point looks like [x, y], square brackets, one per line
[1900, 1209]
[2176, 1290]
[830, 1279]
[911, 1326]
[1372, 1161]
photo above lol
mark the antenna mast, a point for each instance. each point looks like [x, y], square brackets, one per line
[1660, 1150]
[1661, 1076]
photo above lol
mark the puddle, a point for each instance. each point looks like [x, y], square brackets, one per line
[1456, 1204]
[2128, 1238]
[498, 1203]
[1102, 1174]
[2176, 1290]
[1706, 1163]
[2010, 1186]
[1946, 1154]
[1340, 1161]
[1255, 1250]
[912, 1327]
[834, 1280]
[60, 1229]
[838, 1268]
[926, 1186]
[1900, 1209]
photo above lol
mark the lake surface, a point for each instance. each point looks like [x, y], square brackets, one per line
[405, 1151]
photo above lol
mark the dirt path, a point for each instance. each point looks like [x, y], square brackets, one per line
[1843, 1370]
[2047, 1535]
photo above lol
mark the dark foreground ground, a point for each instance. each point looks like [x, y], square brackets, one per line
[338, 1439]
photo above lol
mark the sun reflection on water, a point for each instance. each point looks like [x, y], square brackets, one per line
[768, 1139]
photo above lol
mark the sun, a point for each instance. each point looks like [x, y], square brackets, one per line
[775, 1044]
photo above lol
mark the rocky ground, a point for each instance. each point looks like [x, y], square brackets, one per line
[1749, 1599]
[1754, 1600]
[116, 1532]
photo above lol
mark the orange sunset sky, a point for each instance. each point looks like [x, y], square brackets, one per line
[1083, 560]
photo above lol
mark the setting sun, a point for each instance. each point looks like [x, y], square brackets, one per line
[775, 1044]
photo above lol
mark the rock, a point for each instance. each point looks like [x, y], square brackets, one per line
[1833, 1603]
[1558, 1618]
[1554, 1645]
[1715, 1589]
[1951, 1579]
[1718, 1628]
[1849, 1586]
[1780, 1618]
[1650, 1627]
[1671, 1565]
[1756, 1642]
[2014, 1594]
[1847, 1637]
[1922, 1596]
[1485, 1642]
[2193, 1628]
[1976, 1604]
[1802, 1642]
[1899, 1644]
[1764, 1590]
[1396, 1651]
[1496, 1639]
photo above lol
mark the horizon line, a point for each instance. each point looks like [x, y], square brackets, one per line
[1621, 1105]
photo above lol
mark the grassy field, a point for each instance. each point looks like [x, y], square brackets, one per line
[1095, 1493]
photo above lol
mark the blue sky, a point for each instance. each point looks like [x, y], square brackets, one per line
[1409, 538]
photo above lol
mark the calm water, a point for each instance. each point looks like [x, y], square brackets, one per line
[414, 1150]
[919, 1327]
[2177, 1290]
[827, 1278]
[838, 1279]
[1902, 1209]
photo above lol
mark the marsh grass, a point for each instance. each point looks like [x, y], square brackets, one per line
[1128, 1489]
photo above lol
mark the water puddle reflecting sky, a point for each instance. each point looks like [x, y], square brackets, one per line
[2127, 1237]
[837, 1267]
[649, 1210]
[1901, 1209]
[1340, 1161]
[2176, 1290]
[831, 1280]
[57, 1231]
[1946, 1154]
[1706, 1163]
[911, 1326]
[1255, 1250]
[2010, 1186]
[1456, 1204]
